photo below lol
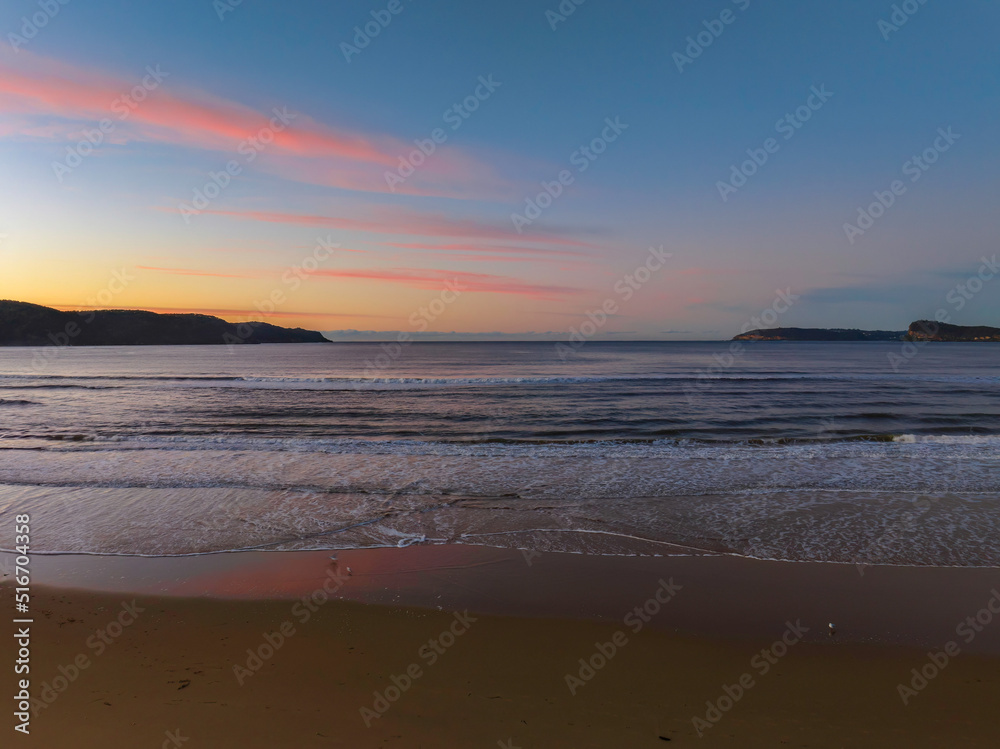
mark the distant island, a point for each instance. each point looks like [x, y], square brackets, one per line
[921, 330]
[23, 324]
[820, 334]
[928, 330]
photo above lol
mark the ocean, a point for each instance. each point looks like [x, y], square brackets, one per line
[868, 453]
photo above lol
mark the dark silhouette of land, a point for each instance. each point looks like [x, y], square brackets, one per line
[921, 330]
[928, 330]
[23, 324]
[820, 334]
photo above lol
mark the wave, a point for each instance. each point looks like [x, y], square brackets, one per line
[931, 500]
[637, 446]
[851, 527]
[985, 440]
[359, 383]
[623, 469]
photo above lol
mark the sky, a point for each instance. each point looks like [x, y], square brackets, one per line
[526, 169]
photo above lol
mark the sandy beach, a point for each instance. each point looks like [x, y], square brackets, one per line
[522, 375]
[266, 650]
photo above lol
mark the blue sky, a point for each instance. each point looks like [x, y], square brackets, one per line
[656, 184]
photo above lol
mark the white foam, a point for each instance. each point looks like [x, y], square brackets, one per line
[985, 440]
[347, 382]
[821, 502]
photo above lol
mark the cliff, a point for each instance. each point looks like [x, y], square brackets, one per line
[819, 334]
[928, 330]
[23, 324]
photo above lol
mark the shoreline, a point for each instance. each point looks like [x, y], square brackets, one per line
[473, 646]
[725, 596]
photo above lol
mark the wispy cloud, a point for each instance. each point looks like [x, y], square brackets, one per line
[217, 312]
[195, 272]
[435, 280]
[480, 248]
[487, 258]
[42, 97]
[400, 220]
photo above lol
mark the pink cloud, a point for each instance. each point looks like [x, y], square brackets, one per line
[34, 87]
[244, 313]
[485, 258]
[239, 250]
[436, 280]
[478, 248]
[189, 272]
[405, 221]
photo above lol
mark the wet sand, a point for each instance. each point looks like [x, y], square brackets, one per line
[725, 631]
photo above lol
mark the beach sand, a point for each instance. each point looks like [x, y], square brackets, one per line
[175, 664]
